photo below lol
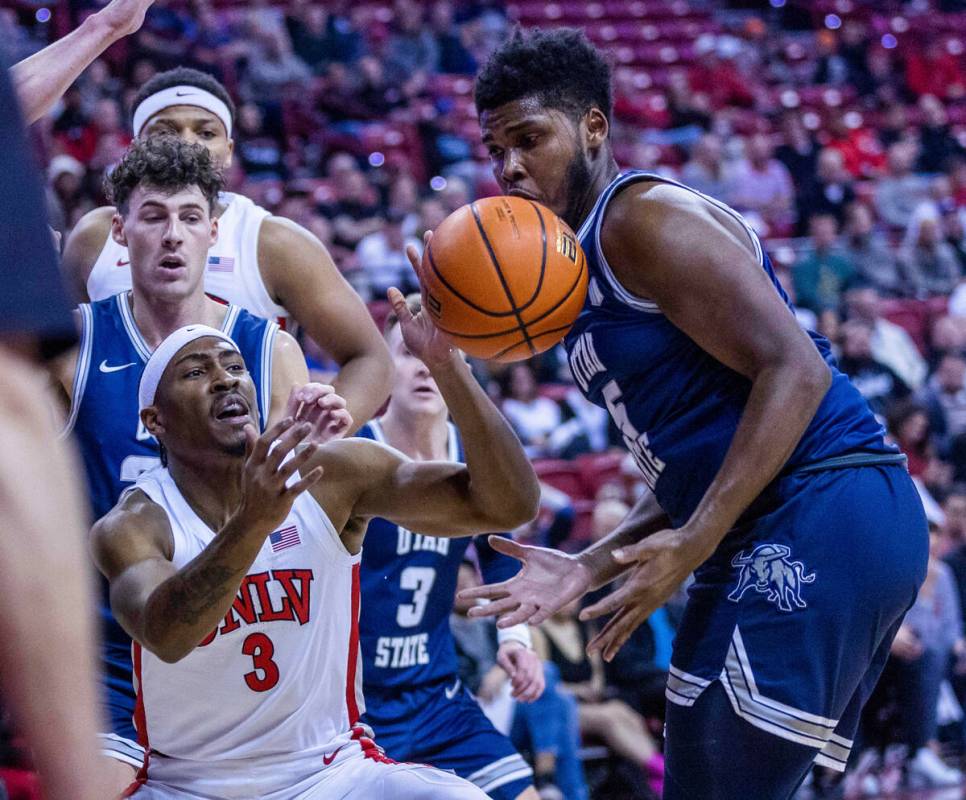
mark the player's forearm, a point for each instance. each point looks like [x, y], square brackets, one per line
[503, 486]
[781, 404]
[185, 608]
[645, 518]
[42, 78]
[364, 381]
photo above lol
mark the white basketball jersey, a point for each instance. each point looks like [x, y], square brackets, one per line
[231, 273]
[280, 676]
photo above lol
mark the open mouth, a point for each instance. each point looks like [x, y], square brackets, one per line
[232, 409]
[172, 262]
[425, 391]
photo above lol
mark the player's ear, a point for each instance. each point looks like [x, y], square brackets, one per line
[213, 236]
[117, 229]
[231, 151]
[152, 421]
[595, 128]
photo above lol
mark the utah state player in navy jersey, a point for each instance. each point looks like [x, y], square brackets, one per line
[771, 477]
[164, 189]
[414, 699]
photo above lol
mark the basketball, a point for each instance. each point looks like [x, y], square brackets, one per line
[504, 277]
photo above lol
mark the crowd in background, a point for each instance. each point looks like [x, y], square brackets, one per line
[837, 128]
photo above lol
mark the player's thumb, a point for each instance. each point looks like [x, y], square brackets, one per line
[508, 547]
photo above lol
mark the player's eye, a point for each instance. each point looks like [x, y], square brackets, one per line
[207, 135]
[496, 153]
[194, 373]
[531, 139]
[236, 368]
[193, 218]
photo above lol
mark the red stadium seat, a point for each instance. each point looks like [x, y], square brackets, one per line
[596, 469]
[562, 475]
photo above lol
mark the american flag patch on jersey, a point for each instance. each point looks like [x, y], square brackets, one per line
[284, 538]
[221, 264]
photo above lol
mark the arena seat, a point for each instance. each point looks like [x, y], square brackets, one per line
[561, 474]
[596, 469]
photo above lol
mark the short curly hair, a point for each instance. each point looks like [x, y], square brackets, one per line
[167, 163]
[184, 76]
[560, 67]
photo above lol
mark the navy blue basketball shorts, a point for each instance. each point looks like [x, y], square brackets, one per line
[795, 611]
[442, 725]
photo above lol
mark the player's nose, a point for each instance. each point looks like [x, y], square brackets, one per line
[513, 170]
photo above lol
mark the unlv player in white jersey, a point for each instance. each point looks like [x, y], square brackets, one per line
[268, 265]
[236, 571]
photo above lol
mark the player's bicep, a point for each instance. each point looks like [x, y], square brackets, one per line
[305, 280]
[131, 590]
[288, 369]
[83, 246]
[707, 280]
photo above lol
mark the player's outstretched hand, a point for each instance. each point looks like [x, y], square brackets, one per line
[422, 337]
[659, 565]
[266, 499]
[525, 670]
[547, 581]
[124, 17]
[320, 406]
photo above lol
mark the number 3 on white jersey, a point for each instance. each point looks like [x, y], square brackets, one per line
[419, 581]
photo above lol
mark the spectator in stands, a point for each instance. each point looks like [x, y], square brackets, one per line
[879, 385]
[832, 67]
[930, 634]
[704, 171]
[930, 263]
[830, 193]
[688, 107]
[782, 261]
[862, 152]
[259, 154]
[382, 257]
[112, 136]
[431, 215]
[66, 202]
[824, 271]
[533, 417]
[798, 152]
[869, 251]
[73, 130]
[954, 533]
[272, 67]
[891, 344]
[944, 397]
[900, 190]
[451, 41]
[954, 233]
[412, 47]
[908, 424]
[216, 42]
[937, 143]
[455, 194]
[760, 183]
[354, 211]
[562, 640]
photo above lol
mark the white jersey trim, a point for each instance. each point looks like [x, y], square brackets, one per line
[268, 352]
[82, 368]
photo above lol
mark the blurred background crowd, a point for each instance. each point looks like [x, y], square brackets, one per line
[837, 127]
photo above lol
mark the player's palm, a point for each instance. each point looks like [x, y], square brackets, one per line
[547, 581]
[126, 16]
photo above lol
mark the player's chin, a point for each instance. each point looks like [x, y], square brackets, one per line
[230, 436]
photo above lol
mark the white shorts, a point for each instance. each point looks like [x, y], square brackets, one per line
[121, 749]
[355, 774]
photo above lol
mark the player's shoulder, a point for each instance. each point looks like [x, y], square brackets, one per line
[135, 524]
[84, 245]
[94, 225]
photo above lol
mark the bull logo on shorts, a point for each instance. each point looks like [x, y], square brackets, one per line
[768, 571]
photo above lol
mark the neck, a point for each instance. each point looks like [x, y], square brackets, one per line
[422, 437]
[211, 486]
[158, 317]
[601, 176]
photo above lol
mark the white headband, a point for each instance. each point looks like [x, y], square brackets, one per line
[180, 96]
[166, 351]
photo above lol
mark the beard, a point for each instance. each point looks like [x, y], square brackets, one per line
[576, 184]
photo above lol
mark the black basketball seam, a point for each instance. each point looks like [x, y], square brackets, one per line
[499, 272]
[543, 258]
[506, 350]
[533, 322]
[449, 286]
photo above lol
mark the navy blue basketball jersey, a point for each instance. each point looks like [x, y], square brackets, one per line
[677, 407]
[408, 583]
[115, 447]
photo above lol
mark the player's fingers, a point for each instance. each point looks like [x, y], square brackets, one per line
[635, 552]
[427, 238]
[330, 401]
[251, 439]
[606, 605]
[505, 660]
[412, 253]
[399, 305]
[307, 482]
[294, 402]
[507, 603]
[509, 547]
[622, 633]
[488, 591]
[602, 639]
[286, 443]
[523, 614]
[296, 462]
[260, 450]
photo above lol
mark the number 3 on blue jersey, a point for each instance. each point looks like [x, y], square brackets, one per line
[419, 581]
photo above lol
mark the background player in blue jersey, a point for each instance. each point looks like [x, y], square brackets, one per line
[771, 477]
[165, 189]
[414, 699]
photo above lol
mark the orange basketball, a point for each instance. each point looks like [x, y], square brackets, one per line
[505, 278]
